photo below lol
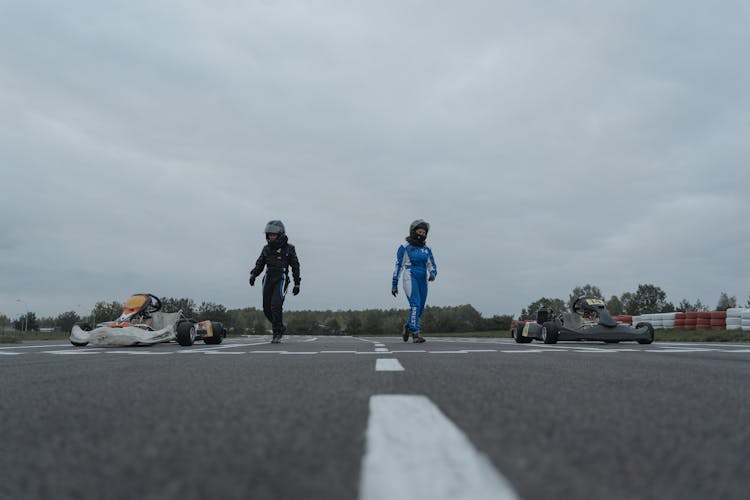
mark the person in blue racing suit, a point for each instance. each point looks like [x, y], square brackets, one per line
[276, 258]
[415, 260]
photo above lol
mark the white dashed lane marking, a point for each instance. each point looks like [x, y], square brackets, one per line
[388, 365]
[433, 459]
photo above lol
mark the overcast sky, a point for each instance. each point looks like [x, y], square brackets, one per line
[144, 145]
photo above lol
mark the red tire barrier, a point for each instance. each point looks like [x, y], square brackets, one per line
[624, 318]
[691, 315]
[718, 322]
[718, 314]
[704, 315]
[679, 316]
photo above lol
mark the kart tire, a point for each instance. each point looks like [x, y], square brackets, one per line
[650, 332]
[217, 328]
[185, 333]
[520, 339]
[611, 341]
[79, 344]
[549, 333]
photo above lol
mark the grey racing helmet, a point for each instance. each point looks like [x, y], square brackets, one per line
[417, 224]
[275, 226]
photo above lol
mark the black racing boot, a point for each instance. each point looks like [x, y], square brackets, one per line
[405, 333]
[276, 339]
[418, 339]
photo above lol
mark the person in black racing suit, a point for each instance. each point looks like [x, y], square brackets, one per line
[276, 257]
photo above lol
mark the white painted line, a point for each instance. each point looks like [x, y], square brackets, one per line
[364, 340]
[36, 346]
[11, 353]
[140, 353]
[714, 344]
[447, 352]
[432, 460]
[198, 349]
[415, 350]
[381, 349]
[74, 351]
[597, 351]
[481, 350]
[736, 350]
[524, 351]
[213, 353]
[373, 352]
[388, 365]
[298, 352]
[265, 352]
[676, 351]
[379, 345]
[338, 352]
[671, 348]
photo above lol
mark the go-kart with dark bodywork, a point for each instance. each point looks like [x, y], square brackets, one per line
[143, 323]
[590, 320]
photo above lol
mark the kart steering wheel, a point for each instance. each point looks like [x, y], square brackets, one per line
[576, 303]
[154, 303]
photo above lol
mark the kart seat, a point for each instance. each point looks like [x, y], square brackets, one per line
[572, 320]
[163, 320]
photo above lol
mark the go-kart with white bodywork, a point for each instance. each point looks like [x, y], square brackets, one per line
[590, 320]
[143, 323]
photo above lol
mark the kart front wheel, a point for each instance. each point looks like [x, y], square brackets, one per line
[549, 333]
[86, 328]
[518, 336]
[216, 338]
[186, 333]
[650, 333]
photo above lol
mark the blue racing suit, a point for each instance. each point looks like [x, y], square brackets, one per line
[418, 265]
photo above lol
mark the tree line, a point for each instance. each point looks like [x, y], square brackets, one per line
[647, 298]
[251, 320]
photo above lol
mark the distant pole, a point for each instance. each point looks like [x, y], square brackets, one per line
[25, 318]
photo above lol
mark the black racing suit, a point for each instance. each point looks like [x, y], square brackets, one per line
[276, 257]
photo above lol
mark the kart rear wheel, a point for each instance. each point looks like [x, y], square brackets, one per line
[650, 333]
[185, 333]
[217, 329]
[518, 337]
[549, 333]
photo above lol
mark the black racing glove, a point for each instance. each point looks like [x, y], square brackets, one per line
[295, 290]
[431, 278]
[394, 291]
[252, 279]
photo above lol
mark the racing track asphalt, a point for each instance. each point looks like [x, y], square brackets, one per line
[568, 421]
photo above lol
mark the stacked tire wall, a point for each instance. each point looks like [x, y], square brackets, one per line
[657, 320]
[738, 318]
[731, 319]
